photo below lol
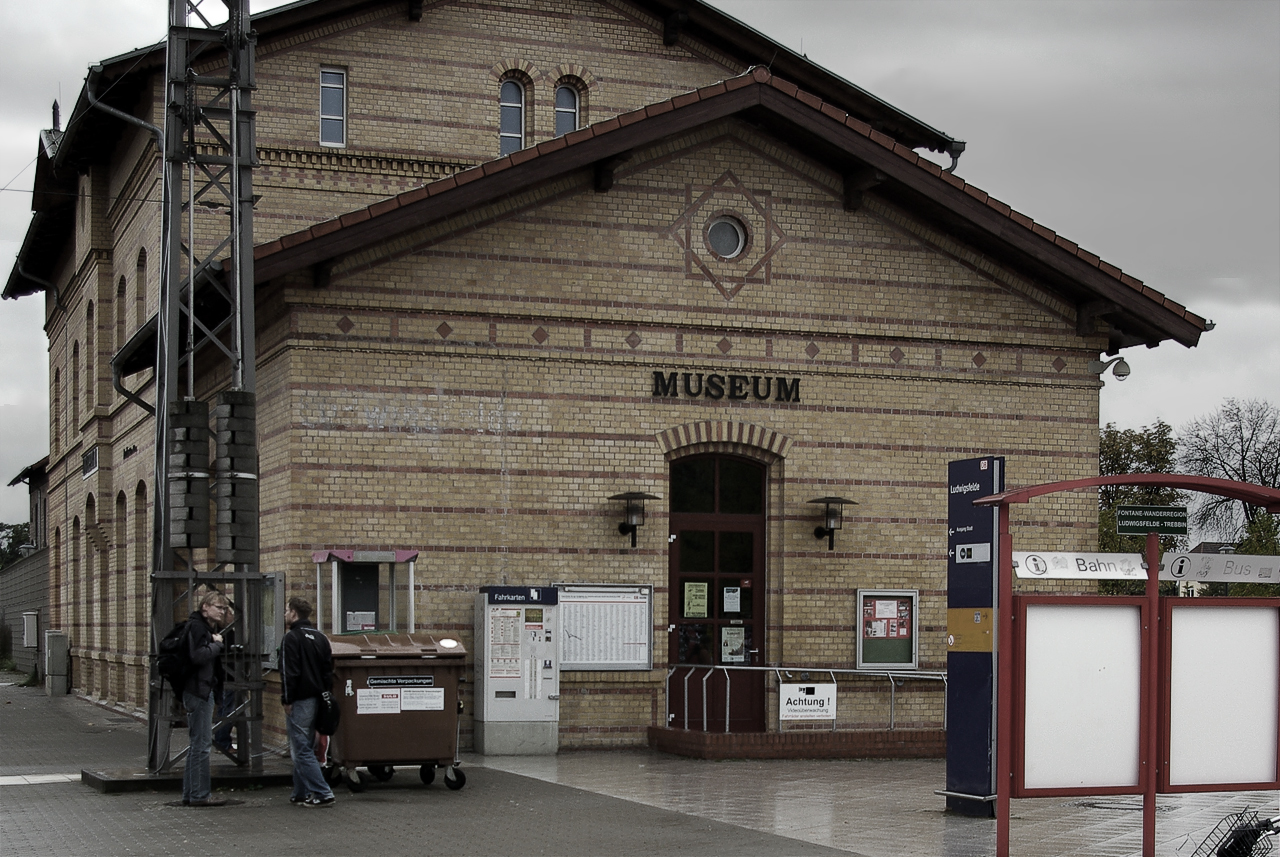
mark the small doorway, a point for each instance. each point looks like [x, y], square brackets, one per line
[717, 593]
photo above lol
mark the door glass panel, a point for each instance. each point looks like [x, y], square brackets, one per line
[736, 554]
[735, 599]
[693, 485]
[695, 644]
[741, 487]
[735, 644]
[697, 552]
[695, 599]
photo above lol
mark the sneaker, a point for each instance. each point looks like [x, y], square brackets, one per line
[212, 801]
[299, 801]
[314, 800]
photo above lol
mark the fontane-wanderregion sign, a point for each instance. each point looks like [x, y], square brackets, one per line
[1140, 520]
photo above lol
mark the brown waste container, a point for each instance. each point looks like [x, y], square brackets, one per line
[400, 705]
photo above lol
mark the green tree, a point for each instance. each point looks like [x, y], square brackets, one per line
[1151, 449]
[1261, 538]
[12, 537]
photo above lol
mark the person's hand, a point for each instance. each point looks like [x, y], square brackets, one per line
[217, 638]
[288, 710]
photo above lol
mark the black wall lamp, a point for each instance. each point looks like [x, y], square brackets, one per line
[633, 519]
[832, 518]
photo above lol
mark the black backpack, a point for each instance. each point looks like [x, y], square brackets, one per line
[173, 658]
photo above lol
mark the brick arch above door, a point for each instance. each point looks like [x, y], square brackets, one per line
[725, 436]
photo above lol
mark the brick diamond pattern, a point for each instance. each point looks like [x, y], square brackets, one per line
[1059, 364]
[897, 354]
[979, 359]
[540, 336]
[634, 339]
[812, 350]
[724, 345]
[345, 324]
[444, 330]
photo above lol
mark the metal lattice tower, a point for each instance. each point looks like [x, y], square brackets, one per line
[207, 313]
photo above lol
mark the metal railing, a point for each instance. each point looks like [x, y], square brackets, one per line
[896, 678]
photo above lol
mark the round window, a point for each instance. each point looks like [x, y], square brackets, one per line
[727, 237]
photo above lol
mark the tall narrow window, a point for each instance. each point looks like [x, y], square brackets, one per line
[333, 107]
[119, 308]
[140, 291]
[566, 110]
[511, 128]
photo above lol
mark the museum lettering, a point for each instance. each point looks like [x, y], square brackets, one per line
[694, 385]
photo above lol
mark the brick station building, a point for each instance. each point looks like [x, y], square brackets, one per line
[514, 259]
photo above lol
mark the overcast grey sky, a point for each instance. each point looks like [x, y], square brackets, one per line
[1148, 132]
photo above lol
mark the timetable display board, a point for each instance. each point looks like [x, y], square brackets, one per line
[604, 627]
[887, 625]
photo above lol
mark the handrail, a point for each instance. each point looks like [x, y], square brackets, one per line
[895, 678]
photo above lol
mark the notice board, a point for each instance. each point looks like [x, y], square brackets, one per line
[887, 625]
[605, 627]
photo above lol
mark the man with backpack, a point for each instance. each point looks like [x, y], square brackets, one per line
[200, 692]
[306, 673]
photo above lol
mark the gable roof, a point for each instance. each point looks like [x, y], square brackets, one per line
[1136, 313]
[120, 80]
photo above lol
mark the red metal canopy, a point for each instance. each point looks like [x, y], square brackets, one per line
[1257, 495]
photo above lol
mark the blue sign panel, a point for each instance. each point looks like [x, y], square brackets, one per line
[972, 557]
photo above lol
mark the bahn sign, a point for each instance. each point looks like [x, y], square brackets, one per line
[1140, 520]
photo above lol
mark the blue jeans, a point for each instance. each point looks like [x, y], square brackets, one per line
[195, 774]
[307, 776]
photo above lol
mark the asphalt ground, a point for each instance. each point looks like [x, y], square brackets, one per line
[577, 803]
[497, 812]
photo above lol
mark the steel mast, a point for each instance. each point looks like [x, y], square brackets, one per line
[207, 314]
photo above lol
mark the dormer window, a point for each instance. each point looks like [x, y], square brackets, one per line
[511, 119]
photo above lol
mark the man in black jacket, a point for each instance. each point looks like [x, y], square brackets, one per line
[199, 694]
[306, 672]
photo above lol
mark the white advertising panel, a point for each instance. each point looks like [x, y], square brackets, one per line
[1223, 691]
[1083, 703]
[807, 702]
[1067, 565]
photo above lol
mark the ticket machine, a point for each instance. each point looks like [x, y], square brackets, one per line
[517, 663]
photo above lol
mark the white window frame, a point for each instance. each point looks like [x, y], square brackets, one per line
[342, 118]
[523, 105]
[575, 112]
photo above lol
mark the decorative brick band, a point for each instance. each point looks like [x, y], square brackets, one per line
[726, 434]
[860, 744]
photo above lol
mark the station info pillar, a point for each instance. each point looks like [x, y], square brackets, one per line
[972, 568]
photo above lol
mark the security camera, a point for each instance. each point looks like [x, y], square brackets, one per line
[1120, 370]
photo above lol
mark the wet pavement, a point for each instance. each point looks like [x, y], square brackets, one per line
[597, 802]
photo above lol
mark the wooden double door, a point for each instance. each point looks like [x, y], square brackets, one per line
[717, 592]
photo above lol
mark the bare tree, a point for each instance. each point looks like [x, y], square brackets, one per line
[1240, 441]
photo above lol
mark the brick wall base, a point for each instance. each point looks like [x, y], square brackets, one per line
[868, 744]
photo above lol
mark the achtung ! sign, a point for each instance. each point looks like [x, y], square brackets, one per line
[807, 702]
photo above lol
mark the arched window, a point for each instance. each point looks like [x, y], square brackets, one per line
[75, 388]
[90, 371]
[511, 119]
[141, 289]
[119, 308]
[56, 434]
[566, 109]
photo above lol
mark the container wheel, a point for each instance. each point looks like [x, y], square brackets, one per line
[428, 774]
[355, 781]
[382, 773]
[454, 778]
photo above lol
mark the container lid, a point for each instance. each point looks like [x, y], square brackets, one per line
[396, 646]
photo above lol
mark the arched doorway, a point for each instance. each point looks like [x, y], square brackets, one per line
[717, 588]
